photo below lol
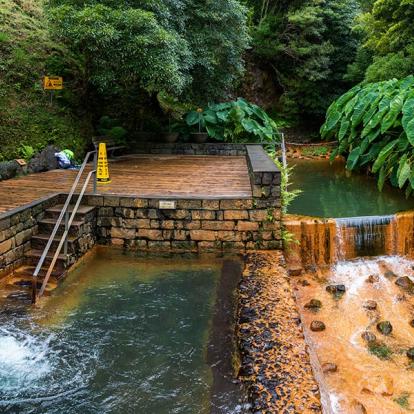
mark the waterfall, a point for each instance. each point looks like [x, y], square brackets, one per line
[321, 242]
[364, 236]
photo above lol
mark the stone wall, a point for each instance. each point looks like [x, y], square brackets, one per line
[193, 225]
[16, 231]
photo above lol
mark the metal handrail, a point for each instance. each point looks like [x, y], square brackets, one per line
[65, 233]
[59, 221]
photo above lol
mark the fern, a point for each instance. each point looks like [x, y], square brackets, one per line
[374, 124]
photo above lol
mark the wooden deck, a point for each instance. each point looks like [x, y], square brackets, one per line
[147, 176]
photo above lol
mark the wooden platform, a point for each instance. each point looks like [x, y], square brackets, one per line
[158, 176]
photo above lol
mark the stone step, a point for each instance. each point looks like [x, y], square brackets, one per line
[62, 261]
[27, 272]
[26, 283]
[39, 242]
[47, 225]
[83, 213]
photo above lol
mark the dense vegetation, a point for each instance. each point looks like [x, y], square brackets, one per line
[140, 66]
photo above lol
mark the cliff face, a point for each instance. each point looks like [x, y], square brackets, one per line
[27, 53]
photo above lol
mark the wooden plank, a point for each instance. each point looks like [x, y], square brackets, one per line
[158, 176]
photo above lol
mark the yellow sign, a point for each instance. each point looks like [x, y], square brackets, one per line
[102, 170]
[52, 83]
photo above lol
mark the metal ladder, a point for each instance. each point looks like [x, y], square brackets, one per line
[64, 214]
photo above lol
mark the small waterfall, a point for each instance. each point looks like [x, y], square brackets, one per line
[323, 242]
[364, 236]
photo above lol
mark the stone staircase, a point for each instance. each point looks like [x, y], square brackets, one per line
[81, 238]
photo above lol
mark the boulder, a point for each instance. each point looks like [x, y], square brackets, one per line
[410, 354]
[372, 279]
[9, 169]
[314, 304]
[384, 327]
[405, 283]
[328, 367]
[336, 290]
[317, 326]
[44, 160]
[370, 305]
[368, 336]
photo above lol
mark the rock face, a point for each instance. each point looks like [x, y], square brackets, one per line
[380, 385]
[384, 327]
[412, 323]
[368, 336]
[44, 161]
[405, 283]
[357, 408]
[389, 274]
[314, 304]
[317, 326]
[370, 305]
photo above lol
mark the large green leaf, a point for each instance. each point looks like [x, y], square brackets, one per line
[192, 118]
[404, 173]
[396, 106]
[353, 158]
[408, 117]
[382, 156]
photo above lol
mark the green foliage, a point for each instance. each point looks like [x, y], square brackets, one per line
[402, 400]
[182, 48]
[26, 152]
[236, 121]
[110, 128]
[374, 124]
[380, 350]
[387, 32]
[308, 45]
[27, 51]
[315, 151]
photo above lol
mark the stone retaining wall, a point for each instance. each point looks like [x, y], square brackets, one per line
[16, 231]
[193, 225]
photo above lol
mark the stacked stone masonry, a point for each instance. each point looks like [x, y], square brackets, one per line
[194, 225]
[16, 231]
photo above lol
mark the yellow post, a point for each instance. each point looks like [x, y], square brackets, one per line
[102, 170]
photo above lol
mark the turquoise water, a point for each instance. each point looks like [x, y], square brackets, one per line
[123, 334]
[332, 191]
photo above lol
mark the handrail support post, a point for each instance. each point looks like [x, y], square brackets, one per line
[65, 246]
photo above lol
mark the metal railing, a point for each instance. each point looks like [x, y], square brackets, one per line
[64, 214]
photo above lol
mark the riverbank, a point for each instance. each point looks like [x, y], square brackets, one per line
[274, 360]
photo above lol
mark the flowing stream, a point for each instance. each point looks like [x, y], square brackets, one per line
[356, 285]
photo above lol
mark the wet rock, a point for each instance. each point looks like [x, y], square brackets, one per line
[357, 408]
[384, 327]
[379, 384]
[328, 367]
[336, 290]
[314, 304]
[370, 305]
[372, 279]
[44, 160]
[368, 336]
[295, 271]
[401, 298]
[389, 274]
[410, 353]
[305, 283]
[405, 283]
[317, 326]
[412, 323]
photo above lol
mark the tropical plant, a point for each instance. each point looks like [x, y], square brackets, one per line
[26, 152]
[374, 124]
[236, 121]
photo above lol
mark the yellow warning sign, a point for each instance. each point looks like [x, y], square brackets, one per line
[53, 83]
[102, 170]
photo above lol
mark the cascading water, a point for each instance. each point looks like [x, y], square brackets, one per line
[363, 236]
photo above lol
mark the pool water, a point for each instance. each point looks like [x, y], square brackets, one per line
[123, 334]
[329, 190]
